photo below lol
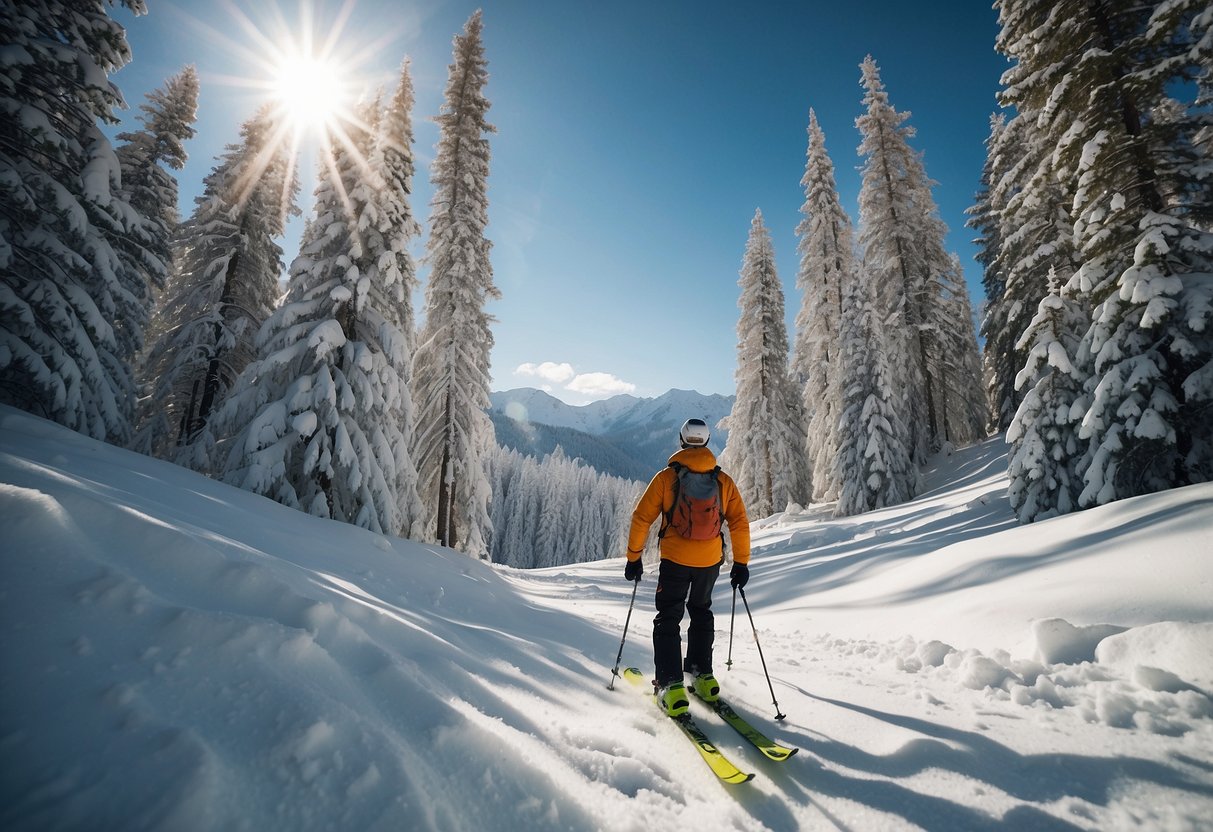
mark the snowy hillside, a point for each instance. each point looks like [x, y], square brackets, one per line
[182, 655]
[526, 404]
[645, 430]
[537, 440]
[615, 414]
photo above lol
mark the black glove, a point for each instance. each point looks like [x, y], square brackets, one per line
[739, 575]
[633, 570]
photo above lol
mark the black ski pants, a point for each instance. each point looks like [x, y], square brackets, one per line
[683, 588]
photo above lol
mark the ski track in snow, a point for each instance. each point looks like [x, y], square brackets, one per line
[182, 655]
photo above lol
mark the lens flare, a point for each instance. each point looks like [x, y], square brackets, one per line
[311, 92]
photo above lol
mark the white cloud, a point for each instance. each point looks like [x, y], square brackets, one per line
[599, 385]
[549, 371]
[555, 378]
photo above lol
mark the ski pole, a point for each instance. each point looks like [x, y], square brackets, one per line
[728, 665]
[627, 621]
[778, 714]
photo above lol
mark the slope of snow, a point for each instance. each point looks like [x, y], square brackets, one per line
[181, 655]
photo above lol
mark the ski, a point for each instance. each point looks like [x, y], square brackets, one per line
[720, 765]
[770, 749]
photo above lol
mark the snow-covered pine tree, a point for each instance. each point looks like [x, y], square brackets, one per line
[451, 367]
[827, 263]
[222, 287]
[389, 227]
[874, 465]
[1044, 435]
[891, 234]
[318, 422]
[765, 454]
[61, 281]
[1150, 421]
[392, 163]
[145, 157]
[1126, 153]
[554, 515]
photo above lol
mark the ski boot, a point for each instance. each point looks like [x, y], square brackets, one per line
[673, 699]
[706, 687]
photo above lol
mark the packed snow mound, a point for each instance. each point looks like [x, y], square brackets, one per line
[183, 655]
[1057, 640]
[1178, 648]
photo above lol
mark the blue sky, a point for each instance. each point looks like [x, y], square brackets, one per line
[635, 140]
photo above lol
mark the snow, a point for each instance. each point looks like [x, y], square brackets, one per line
[183, 655]
[616, 413]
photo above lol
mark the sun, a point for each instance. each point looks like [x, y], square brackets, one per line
[311, 92]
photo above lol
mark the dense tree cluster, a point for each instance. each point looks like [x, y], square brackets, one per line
[885, 368]
[76, 256]
[1094, 221]
[556, 510]
[174, 337]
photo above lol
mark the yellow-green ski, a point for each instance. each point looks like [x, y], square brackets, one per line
[770, 749]
[717, 762]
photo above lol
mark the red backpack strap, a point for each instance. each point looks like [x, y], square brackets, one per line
[724, 547]
[667, 517]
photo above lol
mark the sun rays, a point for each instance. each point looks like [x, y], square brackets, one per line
[312, 79]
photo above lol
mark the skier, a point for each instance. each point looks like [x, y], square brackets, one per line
[692, 551]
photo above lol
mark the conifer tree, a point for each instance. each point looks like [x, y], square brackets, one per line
[145, 158]
[1044, 434]
[222, 287]
[765, 454]
[390, 215]
[451, 367]
[62, 283]
[916, 279]
[891, 234]
[874, 466]
[319, 421]
[827, 263]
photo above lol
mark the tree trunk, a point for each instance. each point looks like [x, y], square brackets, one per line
[210, 388]
[1147, 177]
[445, 529]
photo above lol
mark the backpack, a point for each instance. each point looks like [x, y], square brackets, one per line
[696, 512]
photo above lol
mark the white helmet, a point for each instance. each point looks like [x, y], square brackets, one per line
[694, 433]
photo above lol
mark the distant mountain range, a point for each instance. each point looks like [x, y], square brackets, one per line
[624, 436]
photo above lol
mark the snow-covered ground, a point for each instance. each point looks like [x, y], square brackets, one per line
[181, 655]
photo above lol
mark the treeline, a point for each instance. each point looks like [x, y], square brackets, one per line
[556, 510]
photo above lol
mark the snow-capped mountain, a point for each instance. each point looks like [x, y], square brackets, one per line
[645, 430]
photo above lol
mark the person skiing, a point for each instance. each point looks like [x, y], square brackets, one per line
[692, 496]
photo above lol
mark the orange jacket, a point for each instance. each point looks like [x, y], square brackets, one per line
[658, 498]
